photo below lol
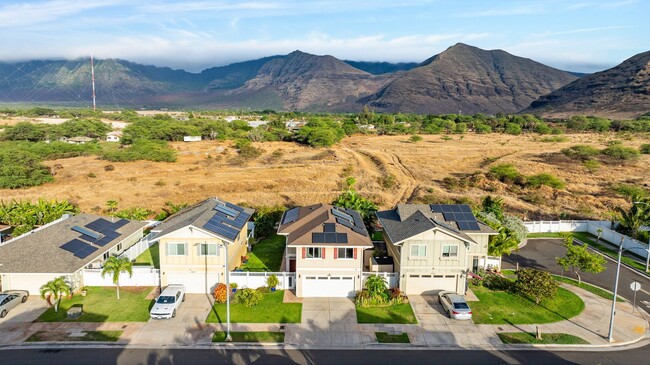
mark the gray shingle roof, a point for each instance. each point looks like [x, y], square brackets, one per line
[40, 252]
[197, 215]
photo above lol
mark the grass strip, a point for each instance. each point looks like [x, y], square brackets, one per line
[399, 314]
[383, 337]
[547, 338]
[64, 336]
[276, 337]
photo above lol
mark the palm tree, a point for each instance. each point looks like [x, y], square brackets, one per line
[55, 290]
[503, 243]
[634, 218]
[115, 265]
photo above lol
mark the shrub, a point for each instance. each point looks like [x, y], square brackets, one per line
[645, 149]
[246, 149]
[536, 284]
[248, 297]
[263, 290]
[483, 129]
[109, 168]
[554, 139]
[221, 293]
[157, 151]
[538, 180]
[591, 165]
[506, 173]
[20, 169]
[580, 151]
[621, 153]
[512, 128]
[388, 181]
[415, 138]
[496, 282]
[272, 281]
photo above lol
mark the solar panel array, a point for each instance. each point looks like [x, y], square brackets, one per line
[290, 216]
[329, 237]
[99, 232]
[350, 219]
[79, 248]
[459, 213]
[227, 221]
[340, 214]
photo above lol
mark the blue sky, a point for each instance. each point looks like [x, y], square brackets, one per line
[578, 35]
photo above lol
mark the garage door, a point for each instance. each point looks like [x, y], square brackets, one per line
[199, 283]
[429, 284]
[323, 286]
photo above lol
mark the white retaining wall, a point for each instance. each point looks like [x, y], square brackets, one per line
[391, 278]
[142, 276]
[254, 280]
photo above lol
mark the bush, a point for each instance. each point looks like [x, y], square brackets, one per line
[221, 293]
[272, 281]
[246, 149]
[143, 149]
[645, 149]
[512, 128]
[536, 284]
[415, 139]
[496, 282]
[591, 165]
[248, 297]
[506, 173]
[580, 151]
[538, 180]
[20, 169]
[621, 153]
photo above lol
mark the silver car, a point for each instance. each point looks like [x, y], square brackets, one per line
[11, 299]
[455, 305]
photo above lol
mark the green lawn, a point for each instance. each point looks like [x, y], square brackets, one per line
[500, 307]
[591, 240]
[383, 337]
[101, 305]
[59, 336]
[400, 313]
[267, 254]
[150, 257]
[250, 337]
[269, 310]
[547, 338]
[548, 235]
[588, 287]
[377, 236]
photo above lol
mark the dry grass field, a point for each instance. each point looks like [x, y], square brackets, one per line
[290, 174]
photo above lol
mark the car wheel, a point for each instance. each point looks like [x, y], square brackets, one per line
[174, 314]
[3, 314]
[24, 299]
[183, 298]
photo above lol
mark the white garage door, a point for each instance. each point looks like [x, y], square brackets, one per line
[429, 284]
[198, 283]
[323, 286]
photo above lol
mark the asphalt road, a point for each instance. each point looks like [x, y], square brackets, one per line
[271, 357]
[541, 254]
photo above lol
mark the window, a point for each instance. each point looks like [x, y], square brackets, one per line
[418, 250]
[313, 252]
[119, 247]
[106, 255]
[176, 249]
[449, 251]
[207, 249]
[346, 253]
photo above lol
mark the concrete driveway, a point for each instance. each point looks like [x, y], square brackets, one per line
[188, 327]
[26, 312]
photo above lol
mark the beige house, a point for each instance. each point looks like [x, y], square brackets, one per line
[434, 246]
[64, 248]
[194, 241]
[325, 249]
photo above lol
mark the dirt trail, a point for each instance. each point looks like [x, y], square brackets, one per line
[407, 181]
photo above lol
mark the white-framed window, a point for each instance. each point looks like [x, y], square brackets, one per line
[208, 249]
[418, 250]
[314, 253]
[119, 247]
[449, 250]
[176, 249]
[346, 253]
[106, 255]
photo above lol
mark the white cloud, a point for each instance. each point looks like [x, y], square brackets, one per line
[22, 14]
[582, 30]
[509, 11]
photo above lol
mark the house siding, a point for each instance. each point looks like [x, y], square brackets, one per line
[328, 266]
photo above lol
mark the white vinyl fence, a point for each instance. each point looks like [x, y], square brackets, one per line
[254, 280]
[596, 228]
[142, 276]
[391, 278]
[141, 246]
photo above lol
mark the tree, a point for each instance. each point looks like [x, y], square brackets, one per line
[55, 290]
[503, 243]
[494, 206]
[115, 265]
[376, 285]
[350, 199]
[631, 220]
[577, 259]
[536, 284]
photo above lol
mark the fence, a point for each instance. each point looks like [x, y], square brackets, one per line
[597, 228]
[391, 278]
[142, 276]
[141, 246]
[254, 280]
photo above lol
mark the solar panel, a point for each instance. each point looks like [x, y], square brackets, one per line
[344, 222]
[341, 238]
[358, 221]
[448, 216]
[87, 232]
[121, 223]
[226, 210]
[317, 237]
[330, 237]
[436, 208]
[446, 208]
[329, 227]
[110, 236]
[222, 230]
[360, 230]
[342, 215]
[241, 219]
[98, 225]
[79, 248]
[290, 215]
[465, 208]
[85, 252]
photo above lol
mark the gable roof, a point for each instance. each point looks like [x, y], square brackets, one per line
[408, 220]
[214, 216]
[40, 251]
[324, 225]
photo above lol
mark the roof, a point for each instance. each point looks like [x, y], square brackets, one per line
[324, 225]
[215, 216]
[40, 251]
[81, 139]
[408, 220]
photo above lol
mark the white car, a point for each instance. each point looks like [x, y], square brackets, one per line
[168, 302]
[11, 299]
[455, 305]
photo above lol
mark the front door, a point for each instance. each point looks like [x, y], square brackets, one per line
[292, 265]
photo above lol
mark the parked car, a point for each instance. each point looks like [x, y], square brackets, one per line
[455, 305]
[10, 299]
[168, 302]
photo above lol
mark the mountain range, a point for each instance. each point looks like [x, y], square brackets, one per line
[462, 78]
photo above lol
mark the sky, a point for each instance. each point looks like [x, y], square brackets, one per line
[582, 36]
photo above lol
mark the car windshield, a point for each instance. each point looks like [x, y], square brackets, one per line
[461, 306]
[166, 300]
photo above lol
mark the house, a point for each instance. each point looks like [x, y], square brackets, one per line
[113, 136]
[191, 138]
[79, 140]
[193, 244]
[434, 246]
[324, 247]
[64, 248]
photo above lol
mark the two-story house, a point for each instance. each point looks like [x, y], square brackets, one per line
[194, 241]
[434, 246]
[325, 249]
